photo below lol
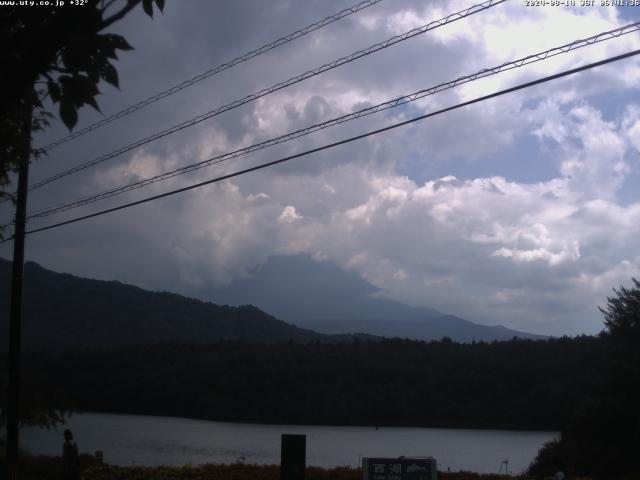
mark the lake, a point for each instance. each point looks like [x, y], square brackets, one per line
[148, 440]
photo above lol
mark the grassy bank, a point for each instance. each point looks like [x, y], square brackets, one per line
[49, 468]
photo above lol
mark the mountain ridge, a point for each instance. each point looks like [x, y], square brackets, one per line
[63, 311]
[321, 296]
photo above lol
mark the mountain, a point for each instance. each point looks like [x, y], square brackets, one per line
[62, 311]
[326, 298]
[317, 301]
[300, 290]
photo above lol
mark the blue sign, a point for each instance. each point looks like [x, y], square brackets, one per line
[401, 468]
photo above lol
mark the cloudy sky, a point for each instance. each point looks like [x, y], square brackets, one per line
[523, 210]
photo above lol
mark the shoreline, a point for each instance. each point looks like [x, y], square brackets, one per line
[310, 424]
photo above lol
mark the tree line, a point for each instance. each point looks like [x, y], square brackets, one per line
[518, 384]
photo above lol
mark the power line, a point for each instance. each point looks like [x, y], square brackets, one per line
[214, 71]
[615, 33]
[279, 86]
[341, 142]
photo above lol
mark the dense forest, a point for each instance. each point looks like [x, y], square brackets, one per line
[517, 384]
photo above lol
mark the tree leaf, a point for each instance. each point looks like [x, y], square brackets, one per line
[160, 4]
[147, 6]
[54, 91]
[118, 41]
[94, 74]
[76, 89]
[106, 46]
[92, 101]
[109, 74]
[68, 113]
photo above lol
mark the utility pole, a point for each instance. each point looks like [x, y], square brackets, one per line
[15, 321]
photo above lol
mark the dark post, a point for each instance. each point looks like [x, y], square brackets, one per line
[15, 320]
[293, 455]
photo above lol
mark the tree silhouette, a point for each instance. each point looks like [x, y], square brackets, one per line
[59, 52]
[602, 436]
[622, 315]
[622, 340]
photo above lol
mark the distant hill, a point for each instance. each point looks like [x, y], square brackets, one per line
[328, 299]
[318, 300]
[422, 328]
[62, 311]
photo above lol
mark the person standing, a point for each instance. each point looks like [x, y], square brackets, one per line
[70, 459]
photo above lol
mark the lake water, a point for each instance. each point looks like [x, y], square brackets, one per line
[147, 440]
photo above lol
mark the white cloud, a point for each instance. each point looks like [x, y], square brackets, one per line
[483, 243]
[289, 215]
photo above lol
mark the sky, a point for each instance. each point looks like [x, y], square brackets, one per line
[523, 210]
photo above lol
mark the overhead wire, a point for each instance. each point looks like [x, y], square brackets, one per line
[214, 71]
[341, 142]
[520, 62]
[279, 86]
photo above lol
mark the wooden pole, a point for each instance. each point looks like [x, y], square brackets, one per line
[15, 320]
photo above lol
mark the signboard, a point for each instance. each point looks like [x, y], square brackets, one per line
[401, 468]
[293, 457]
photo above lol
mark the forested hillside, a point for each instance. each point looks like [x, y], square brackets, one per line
[517, 384]
[62, 311]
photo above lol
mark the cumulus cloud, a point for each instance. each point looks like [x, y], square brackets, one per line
[484, 248]
[289, 215]
[436, 214]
